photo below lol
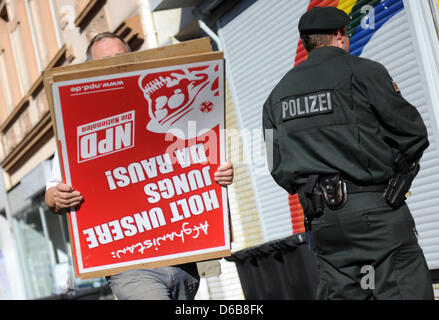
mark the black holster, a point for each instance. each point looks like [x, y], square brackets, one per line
[311, 198]
[399, 184]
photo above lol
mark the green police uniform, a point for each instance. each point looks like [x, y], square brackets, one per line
[340, 114]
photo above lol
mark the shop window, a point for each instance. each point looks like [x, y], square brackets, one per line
[35, 251]
[45, 252]
[5, 287]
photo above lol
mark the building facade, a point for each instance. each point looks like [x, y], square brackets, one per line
[36, 35]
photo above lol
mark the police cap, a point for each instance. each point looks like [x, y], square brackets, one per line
[321, 19]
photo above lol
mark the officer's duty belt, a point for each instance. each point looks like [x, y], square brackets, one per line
[330, 191]
[354, 188]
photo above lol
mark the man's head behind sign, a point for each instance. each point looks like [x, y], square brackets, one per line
[106, 45]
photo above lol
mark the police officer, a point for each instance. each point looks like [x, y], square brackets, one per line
[335, 122]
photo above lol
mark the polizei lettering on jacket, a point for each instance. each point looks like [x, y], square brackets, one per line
[305, 106]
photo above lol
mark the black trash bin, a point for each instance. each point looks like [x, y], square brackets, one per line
[300, 267]
[249, 273]
[272, 268]
[283, 269]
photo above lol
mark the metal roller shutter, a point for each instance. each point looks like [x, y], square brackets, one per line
[393, 45]
[422, 88]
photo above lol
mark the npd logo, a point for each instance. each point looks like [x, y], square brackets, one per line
[106, 136]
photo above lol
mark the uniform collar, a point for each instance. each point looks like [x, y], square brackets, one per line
[325, 51]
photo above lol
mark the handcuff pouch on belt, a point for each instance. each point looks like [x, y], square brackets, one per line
[334, 191]
[323, 191]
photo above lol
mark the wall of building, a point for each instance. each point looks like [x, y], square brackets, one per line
[36, 35]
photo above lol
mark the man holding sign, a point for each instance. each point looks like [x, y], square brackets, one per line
[174, 282]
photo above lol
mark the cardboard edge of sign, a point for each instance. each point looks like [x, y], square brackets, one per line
[181, 53]
[157, 264]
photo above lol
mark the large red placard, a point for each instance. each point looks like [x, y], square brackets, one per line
[142, 147]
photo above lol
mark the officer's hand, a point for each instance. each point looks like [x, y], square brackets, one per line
[63, 196]
[224, 174]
